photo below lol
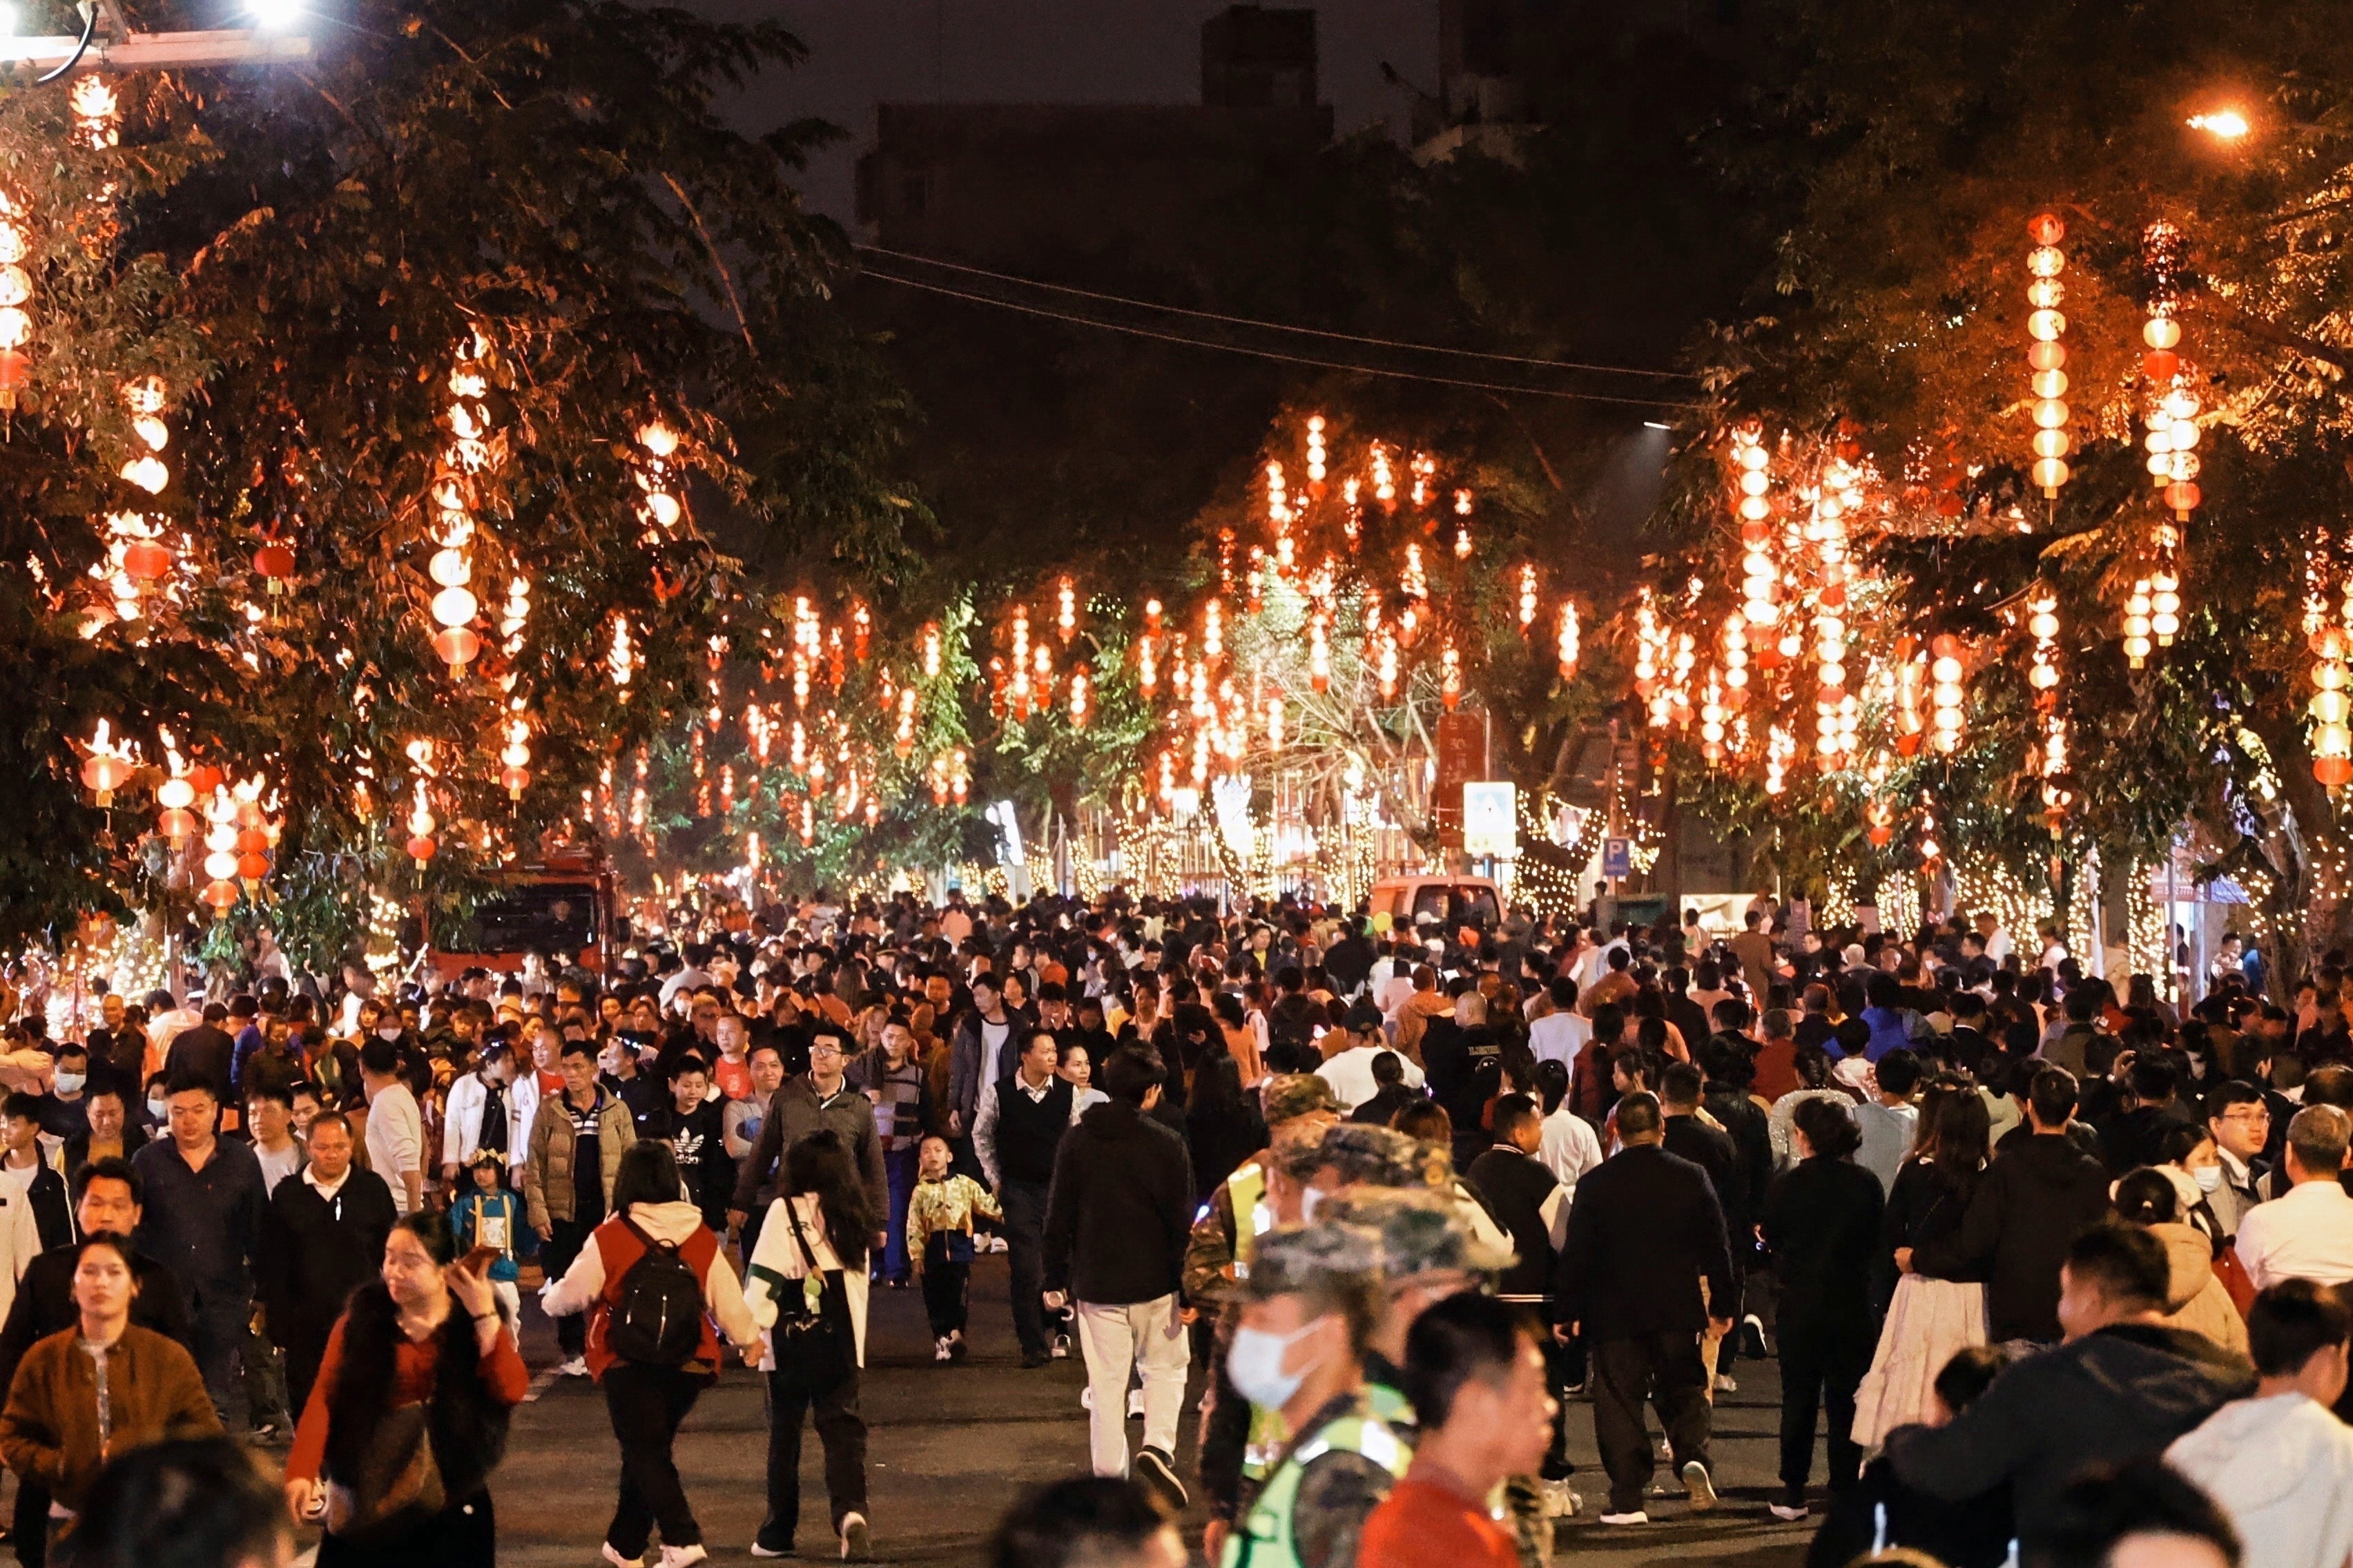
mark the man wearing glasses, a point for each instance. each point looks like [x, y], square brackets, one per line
[2240, 1124]
[817, 1098]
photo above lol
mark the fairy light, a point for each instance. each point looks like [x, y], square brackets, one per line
[2048, 357]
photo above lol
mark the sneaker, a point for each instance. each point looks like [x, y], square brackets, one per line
[1789, 1510]
[1752, 1337]
[1061, 1349]
[995, 1244]
[575, 1367]
[1633, 1516]
[941, 1349]
[1032, 1359]
[1701, 1489]
[764, 1545]
[679, 1556]
[1560, 1501]
[1157, 1470]
[613, 1555]
[957, 1347]
[1136, 1405]
[854, 1541]
[1087, 1398]
[1723, 1383]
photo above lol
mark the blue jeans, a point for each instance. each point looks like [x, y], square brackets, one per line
[898, 1167]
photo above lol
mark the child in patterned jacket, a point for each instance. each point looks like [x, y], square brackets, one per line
[939, 1243]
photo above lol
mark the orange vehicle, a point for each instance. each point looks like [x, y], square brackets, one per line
[564, 907]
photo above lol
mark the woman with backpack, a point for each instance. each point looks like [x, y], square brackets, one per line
[652, 1279]
[808, 1289]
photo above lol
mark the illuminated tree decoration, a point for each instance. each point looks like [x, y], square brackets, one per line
[16, 298]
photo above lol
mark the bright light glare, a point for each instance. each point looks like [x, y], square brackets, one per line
[8, 20]
[2227, 124]
[276, 16]
[1652, 425]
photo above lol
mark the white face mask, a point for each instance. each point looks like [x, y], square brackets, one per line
[1255, 1364]
[388, 1031]
[2208, 1178]
[159, 1109]
[71, 1082]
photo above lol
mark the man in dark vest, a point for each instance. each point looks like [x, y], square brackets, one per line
[106, 1198]
[322, 1234]
[1022, 1121]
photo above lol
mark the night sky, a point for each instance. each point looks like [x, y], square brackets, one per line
[863, 52]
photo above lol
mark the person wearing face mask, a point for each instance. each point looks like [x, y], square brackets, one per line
[65, 1109]
[1309, 1308]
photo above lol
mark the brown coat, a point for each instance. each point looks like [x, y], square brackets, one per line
[49, 1433]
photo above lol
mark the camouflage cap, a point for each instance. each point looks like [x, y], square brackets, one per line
[1298, 1256]
[1419, 1230]
[1381, 1156]
[1292, 1094]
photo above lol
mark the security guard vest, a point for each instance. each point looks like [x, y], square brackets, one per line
[1262, 1537]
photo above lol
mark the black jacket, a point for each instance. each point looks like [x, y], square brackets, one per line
[1121, 1208]
[1514, 1187]
[2037, 1193]
[1820, 1220]
[134, 1137]
[314, 1252]
[1691, 1138]
[207, 1053]
[1465, 1069]
[44, 1305]
[698, 1140]
[52, 1209]
[2117, 1394]
[1643, 1230]
[1384, 1106]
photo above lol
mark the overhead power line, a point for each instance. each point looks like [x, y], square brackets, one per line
[1271, 326]
[1270, 353]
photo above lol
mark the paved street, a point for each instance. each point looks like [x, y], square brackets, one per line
[951, 1446]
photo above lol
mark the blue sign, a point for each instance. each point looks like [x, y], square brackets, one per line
[1616, 857]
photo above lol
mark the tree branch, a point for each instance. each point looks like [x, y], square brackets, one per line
[726, 278]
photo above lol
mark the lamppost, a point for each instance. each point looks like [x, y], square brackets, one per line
[107, 42]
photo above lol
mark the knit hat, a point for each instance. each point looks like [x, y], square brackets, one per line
[1296, 1256]
[1419, 1231]
[1295, 1094]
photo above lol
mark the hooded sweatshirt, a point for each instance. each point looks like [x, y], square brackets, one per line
[592, 1281]
[2282, 1468]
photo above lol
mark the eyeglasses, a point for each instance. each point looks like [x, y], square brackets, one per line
[2256, 1113]
[824, 1050]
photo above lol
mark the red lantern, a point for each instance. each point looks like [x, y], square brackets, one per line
[221, 895]
[16, 374]
[144, 559]
[177, 825]
[421, 849]
[2045, 229]
[456, 646]
[2182, 497]
[2333, 772]
[204, 778]
[276, 564]
[252, 867]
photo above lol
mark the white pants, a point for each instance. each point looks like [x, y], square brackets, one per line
[1146, 1336]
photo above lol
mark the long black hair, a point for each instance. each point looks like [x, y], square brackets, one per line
[820, 1164]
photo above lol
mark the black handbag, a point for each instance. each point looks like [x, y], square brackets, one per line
[816, 1351]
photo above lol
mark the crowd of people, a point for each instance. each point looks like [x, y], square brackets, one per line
[2045, 1257]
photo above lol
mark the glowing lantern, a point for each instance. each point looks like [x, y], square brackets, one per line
[2048, 357]
[15, 294]
[1319, 652]
[1078, 699]
[2332, 740]
[516, 757]
[1569, 649]
[2136, 624]
[1946, 671]
[621, 659]
[107, 768]
[1879, 820]
[1066, 610]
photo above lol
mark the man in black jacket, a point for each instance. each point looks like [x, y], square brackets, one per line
[106, 1199]
[2121, 1387]
[1645, 1239]
[2039, 1192]
[205, 1050]
[1688, 1137]
[1529, 1203]
[1116, 1227]
[322, 1235]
